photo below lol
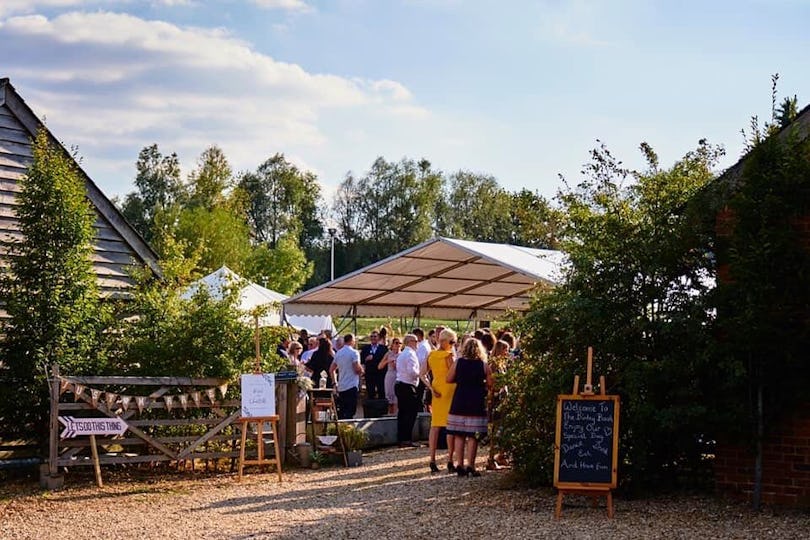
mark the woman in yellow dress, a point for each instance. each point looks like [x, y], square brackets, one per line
[438, 364]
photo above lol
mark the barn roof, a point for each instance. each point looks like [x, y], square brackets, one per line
[117, 244]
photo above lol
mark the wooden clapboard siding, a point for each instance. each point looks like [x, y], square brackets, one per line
[116, 246]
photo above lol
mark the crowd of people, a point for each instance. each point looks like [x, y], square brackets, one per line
[452, 378]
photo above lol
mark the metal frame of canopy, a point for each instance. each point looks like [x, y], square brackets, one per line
[442, 278]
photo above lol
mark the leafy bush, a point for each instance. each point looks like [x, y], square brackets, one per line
[635, 290]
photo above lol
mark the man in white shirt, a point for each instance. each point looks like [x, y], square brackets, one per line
[347, 382]
[423, 350]
[405, 388]
[312, 346]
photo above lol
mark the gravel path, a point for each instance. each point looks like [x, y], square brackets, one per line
[391, 496]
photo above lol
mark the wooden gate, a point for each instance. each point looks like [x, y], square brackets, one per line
[168, 419]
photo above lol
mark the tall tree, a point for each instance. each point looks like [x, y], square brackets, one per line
[535, 223]
[211, 179]
[478, 208]
[214, 237]
[158, 187]
[284, 268]
[283, 200]
[49, 288]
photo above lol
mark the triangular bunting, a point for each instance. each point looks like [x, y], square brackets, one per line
[222, 389]
[183, 399]
[78, 390]
[94, 395]
[141, 402]
[64, 386]
[195, 397]
[212, 395]
[125, 402]
[169, 401]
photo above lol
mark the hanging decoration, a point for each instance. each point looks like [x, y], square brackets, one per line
[142, 402]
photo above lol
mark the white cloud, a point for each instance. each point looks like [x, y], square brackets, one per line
[287, 5]
[113, 83]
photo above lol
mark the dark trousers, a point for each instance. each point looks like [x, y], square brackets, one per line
[375, 384]
[347, 403]
[407, 409]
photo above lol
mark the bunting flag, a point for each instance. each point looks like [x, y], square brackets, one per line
[110, 399]
[142, 402]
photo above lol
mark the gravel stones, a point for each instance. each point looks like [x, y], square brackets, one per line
[392, 496]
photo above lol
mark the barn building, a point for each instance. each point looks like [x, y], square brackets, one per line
[117, 244]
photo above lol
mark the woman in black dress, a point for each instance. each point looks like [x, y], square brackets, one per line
[468, 412]
[320, 360]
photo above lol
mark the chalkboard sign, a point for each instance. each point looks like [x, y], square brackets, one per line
[587, 441]
[258, 395]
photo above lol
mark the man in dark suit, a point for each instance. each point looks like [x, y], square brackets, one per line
[370, 357]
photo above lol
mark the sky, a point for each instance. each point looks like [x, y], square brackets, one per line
[521, 90]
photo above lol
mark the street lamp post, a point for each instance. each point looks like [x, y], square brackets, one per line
[332, 233]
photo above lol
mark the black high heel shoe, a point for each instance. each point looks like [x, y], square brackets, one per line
[461, 472]
[450, 467]
[433, 467]
[472, 472]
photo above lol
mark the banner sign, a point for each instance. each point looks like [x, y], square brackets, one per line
[91, 426]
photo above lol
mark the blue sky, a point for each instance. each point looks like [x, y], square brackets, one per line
[517, 89]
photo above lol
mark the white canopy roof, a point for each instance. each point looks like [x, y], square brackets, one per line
[443, 278]
[251, 295]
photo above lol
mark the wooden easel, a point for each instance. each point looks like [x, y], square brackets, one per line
[593, 491]
[260, 460]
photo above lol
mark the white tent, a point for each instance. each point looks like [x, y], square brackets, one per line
[443, 278]
[251, 295]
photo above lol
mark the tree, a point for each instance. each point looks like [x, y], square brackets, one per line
[477, 208]
[49, 288]
[283, 200]
[215, 237]
[534, 222]
[208, 183]
[283, 268]
[636, 290]
[158, 188]
[389, 209]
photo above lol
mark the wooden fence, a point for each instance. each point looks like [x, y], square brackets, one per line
[168, 419]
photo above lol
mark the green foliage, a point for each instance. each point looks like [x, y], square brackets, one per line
[534, 222]
[49, 288]
[207, 184]
[763, 304]
[353, 437]
[158, 188]
[284, 268]
[217, 235]
[476, 208]
[282, 201]
[634, 291]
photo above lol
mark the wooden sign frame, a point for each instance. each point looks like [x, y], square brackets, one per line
[614, 444]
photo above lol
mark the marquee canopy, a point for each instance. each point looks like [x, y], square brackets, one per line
[443, 278]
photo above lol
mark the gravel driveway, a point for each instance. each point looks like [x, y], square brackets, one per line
[391, 496]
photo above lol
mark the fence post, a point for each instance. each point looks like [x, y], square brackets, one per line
[49, 477]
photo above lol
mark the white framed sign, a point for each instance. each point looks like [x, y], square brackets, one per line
[258, 395]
